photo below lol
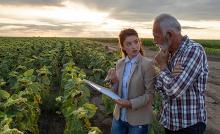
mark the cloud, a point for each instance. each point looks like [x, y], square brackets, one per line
[75, 17]
[141, 10]
[146, 10]
[190, 27]
[72, 30]
[32, 2]
[55, 29]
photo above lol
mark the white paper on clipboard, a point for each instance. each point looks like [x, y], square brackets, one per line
[102, 89]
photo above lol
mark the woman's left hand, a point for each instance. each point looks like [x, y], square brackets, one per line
[124, 103]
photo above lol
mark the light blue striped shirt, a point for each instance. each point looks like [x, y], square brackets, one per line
[124, 92]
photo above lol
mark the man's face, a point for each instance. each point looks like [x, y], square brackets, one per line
[159, 39]
[131, 46]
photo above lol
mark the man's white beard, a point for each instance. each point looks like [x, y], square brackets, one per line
[164, 46]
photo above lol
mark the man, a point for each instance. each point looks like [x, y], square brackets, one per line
[182, 78]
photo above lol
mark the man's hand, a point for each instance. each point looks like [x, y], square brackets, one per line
[112, 76]
[162, 59]
[124, 103]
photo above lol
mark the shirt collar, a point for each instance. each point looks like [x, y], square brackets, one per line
[183, 43]
[133, 60]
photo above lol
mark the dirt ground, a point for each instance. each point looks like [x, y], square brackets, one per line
[212, 92]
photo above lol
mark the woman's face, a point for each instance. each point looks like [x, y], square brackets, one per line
[131, 46]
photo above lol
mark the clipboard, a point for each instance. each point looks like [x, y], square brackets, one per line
[102, 90]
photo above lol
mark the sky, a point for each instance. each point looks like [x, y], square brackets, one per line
[200, 19]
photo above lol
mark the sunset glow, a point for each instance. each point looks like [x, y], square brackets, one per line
[78, 20]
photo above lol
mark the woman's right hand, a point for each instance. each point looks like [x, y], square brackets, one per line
[112, 76]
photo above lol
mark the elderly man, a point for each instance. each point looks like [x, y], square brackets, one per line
[182, 78]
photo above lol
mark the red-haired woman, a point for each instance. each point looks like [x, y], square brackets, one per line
[133, 81]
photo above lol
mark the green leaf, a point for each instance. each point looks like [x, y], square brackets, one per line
[4, 94]
[43, 71]
[20, 67]
[86, 111]
[24, 80]
[11, 101]
[70, 84]
[90, 109]
[2, 82]
[59, 99]
[76, 94]
[13, 74]
[29, 72]
[94, 130]
[2, 115]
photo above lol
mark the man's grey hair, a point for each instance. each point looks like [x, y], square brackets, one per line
[168, 22]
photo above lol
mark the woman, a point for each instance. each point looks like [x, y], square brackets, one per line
[132, 80]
